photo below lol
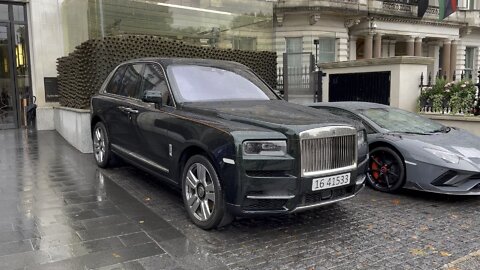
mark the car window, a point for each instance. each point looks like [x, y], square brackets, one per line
[197, 83]
[131, 80]
[154, 82]
[115, 83]
[397, 120]
[350, 115]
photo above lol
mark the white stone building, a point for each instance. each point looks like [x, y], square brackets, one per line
[364, 29]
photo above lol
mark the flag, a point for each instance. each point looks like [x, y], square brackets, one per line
[422, 7]
[446, 8]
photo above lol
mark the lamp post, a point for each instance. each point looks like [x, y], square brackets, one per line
[316, 42]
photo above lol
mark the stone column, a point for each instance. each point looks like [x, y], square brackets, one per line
[446, 59]
[367, 47]
[391, 49]
[353, 48]
[377, 48]
[453, 58]
[418, 46]
[434, 52]
[385, 47]
[411, 46]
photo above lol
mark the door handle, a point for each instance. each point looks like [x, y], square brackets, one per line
[127, 110]
[130, 110]
[122, 108]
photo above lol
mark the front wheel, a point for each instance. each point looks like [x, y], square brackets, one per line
[203, 194]
[386, 170]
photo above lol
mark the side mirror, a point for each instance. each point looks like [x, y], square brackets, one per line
[153, 97]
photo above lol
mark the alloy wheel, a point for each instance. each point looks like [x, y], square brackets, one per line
[99, 145]
[386, 170]
[200, 192]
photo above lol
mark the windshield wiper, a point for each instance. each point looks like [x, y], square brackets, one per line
[416, 133]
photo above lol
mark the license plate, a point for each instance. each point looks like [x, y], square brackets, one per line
[331, 181]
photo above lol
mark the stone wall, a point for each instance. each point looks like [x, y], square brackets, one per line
[82, 73]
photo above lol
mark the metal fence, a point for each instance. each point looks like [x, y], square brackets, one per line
[426, 83]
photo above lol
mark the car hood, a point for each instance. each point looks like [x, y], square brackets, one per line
[273, 114]
[457, 141]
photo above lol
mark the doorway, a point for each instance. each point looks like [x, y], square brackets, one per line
[15, 82]
[367, 87]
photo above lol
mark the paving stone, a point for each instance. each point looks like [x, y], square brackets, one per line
[59, 211]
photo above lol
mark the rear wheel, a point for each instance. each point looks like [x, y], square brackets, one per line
[101, 146]
[203, 194]
[386, 170]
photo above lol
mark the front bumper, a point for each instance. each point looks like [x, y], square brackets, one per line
[277, 193]
[463, 179]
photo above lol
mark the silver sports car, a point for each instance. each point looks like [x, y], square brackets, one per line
[411, 151]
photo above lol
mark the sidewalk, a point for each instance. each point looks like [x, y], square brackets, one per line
[59, 211]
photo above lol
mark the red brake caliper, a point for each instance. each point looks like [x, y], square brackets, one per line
[375, 170]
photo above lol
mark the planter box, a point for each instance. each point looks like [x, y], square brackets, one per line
[74, 126]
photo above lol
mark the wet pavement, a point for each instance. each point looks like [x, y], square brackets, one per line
[58, 211]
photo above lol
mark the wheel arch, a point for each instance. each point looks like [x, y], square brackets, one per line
[191, 151]
[94, 121]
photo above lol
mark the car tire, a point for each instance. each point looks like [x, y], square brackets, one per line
[386, 171]
[203, 195]
[101, 147]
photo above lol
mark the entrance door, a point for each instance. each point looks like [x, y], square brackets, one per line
[369, 87]
[8, 100]
[15, 90]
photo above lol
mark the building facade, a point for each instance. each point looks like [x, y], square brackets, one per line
[364, 29]
[34, 33]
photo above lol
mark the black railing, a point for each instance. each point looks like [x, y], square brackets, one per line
[441, 101]
[298, 79]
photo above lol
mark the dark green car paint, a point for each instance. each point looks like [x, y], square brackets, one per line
[218, 130]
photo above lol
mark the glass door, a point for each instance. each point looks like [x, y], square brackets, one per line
[16, 100]
[8, 99]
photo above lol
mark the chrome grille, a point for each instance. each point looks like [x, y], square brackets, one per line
[327, 150]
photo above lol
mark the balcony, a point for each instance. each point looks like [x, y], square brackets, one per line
[403, 8]
[352, 6]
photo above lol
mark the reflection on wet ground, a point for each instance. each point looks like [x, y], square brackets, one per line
[58, 211]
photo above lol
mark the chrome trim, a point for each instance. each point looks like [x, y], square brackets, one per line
[318, 156]
[361, 181]
[229, 161]
[330, 131]
[332, 171]
[138, 157]
[270, 197]
[306, 207]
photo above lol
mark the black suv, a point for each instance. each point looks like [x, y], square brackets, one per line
[218, 132]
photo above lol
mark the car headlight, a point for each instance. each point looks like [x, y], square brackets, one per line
[361, 137]
[445, 155]
[265, 148]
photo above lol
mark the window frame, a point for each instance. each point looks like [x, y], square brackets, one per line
[130, 65]
[111, 77]
[166, 82]
[334, 53]
[108, 80]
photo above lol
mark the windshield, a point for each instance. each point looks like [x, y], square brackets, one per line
[396, 120]
[194, 83]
